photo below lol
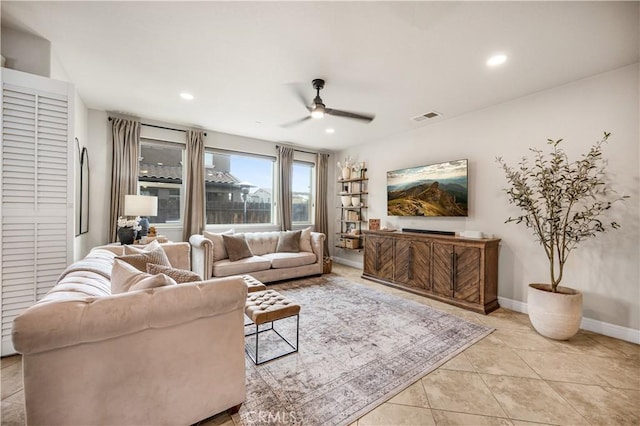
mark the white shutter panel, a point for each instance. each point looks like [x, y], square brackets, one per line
[36, 236]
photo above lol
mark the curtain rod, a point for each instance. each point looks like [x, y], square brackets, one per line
[300, 150]
[160, 127]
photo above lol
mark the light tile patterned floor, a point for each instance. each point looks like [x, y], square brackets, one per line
[512, 377]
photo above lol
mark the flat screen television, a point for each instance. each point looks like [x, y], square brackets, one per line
[433, 190]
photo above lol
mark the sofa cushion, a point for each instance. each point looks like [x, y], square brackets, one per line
[156, 256]
[219, 250]
[126, 277]
[179, 275]
[305, 240]
[290, 260]
[224, 268]
[262, 242]
[237, 247]
[289, 242]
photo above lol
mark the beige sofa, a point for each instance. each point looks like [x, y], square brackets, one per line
[265, 265]
[164, 356]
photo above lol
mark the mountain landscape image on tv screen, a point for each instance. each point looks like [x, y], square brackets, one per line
[433, 190]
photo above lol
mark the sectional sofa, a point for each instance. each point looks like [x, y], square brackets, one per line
[161, 356]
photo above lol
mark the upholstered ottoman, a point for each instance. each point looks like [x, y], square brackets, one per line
[268, 306]
[253, 284]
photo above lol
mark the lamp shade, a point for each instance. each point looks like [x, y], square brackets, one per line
[140, 205]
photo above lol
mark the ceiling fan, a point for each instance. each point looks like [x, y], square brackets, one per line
[318, 108]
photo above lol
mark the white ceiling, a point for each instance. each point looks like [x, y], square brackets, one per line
[243, 61]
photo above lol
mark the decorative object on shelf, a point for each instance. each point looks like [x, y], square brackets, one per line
[345, 168]
[128, 230]
[355, 201]
[563, 202]
[345, 200]
[142, 206]
[374, 224]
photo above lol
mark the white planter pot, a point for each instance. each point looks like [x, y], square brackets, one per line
[346, 200]
[346, 172]
[554, 315]
[355, 201]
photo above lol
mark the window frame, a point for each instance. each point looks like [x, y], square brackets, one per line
[312, 192]
[181, 185]
[274, 191]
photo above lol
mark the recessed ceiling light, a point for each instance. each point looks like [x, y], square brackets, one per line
[186, 96]
[496, 60]
[330, 130]
[160, 164]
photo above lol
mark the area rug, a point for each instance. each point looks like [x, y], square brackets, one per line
[358, 348]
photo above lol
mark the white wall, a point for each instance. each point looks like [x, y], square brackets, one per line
[26, 52]
[606, 269]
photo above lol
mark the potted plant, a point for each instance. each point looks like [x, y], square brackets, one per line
[562, 202]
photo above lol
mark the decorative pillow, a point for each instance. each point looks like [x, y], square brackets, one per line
[219, 250]
[305, 240]
[156, 256]
[289, 242]
[237, 247]
[125, 277]
[179, 275]
[129, 249]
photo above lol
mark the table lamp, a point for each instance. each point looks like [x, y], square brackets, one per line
[143, 206]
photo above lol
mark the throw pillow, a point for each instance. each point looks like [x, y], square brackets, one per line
[129, 249]
[125, 277]
[289, 242]
[156, 256]
[179, 275]
[305, 240]
[219, 249]
[237, 247]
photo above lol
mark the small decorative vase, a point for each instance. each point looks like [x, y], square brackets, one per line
[355, 201]
[346, 200]
[346, 173]
[126, 235]
[554, 315]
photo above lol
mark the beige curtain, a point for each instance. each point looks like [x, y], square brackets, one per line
[322, 217]
[124, 167]
[285, 159]
[194, 200]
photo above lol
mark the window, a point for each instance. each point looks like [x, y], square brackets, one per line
[239, 188]
[302, 194]
[160, 175]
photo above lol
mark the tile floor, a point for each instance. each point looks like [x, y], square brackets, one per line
[512, 377]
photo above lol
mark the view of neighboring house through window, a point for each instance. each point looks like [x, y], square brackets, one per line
[239, 188]
[160, 175]
[302, 182]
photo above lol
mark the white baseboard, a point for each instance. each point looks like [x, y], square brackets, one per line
[347, 262]
[600, 327]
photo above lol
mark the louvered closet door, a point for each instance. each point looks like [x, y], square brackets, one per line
[36, 234]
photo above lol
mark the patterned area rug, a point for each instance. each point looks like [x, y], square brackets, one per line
[358, 348]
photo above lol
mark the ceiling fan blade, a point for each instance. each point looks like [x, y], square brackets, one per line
[347, 114]
[295, 122]
[301, 97]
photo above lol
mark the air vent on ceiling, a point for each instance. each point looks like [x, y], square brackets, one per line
[431, 114]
